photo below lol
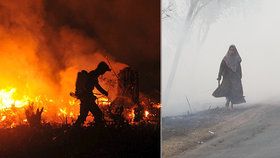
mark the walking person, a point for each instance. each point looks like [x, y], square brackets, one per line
[231, 73]
[86, 82]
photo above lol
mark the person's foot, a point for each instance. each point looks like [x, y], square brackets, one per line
[231, 107]
[100, 124]
[227, 104]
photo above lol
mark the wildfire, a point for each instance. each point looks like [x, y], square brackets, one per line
[13, 106]
[7, 99]
[38, 72]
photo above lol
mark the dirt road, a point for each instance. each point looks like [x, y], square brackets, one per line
[251, 133]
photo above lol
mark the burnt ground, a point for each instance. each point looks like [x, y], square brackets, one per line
[49, 141]
[183, 133]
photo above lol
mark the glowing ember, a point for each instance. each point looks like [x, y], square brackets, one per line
[146, 113]
[131, 115]
[73, 102]
[3, 118]
[13, 125]
[157, 105]
[71, 114]
[103, 101]
[63, 112]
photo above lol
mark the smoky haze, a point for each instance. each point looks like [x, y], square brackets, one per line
[253, 28]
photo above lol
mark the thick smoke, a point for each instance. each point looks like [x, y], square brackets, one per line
[128, 30]
[45, 43]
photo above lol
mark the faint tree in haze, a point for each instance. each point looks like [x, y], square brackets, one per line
[169, 11]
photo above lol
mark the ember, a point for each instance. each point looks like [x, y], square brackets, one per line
[103, 101]
[146, 113]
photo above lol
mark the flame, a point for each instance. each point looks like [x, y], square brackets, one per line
[3, 118]
[131, 115]
[71, 114]
[103, 101]
[40, 70]
[146, 113]
[13, 125]
[157, 105]
[12, 108]
[62, 111]
[7, 99]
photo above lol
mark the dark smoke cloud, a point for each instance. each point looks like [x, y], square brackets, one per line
[129, 30]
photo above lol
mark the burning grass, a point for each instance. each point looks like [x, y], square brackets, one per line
[40, 126]
[16, 111]
[37, 128]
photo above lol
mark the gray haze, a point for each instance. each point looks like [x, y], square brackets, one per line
[253, 26]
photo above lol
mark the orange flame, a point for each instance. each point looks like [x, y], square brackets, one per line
[103, 101]
[7, 99]
[3, 118]
[146, 113]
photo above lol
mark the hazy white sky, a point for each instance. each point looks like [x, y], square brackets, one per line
[256, 34]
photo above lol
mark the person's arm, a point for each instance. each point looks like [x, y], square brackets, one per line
[239, 70]
[222, 67]
[99, 88]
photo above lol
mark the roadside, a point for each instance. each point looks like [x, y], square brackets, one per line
[181, 134]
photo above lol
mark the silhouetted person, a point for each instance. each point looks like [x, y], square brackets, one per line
[231, 86]
[84, 86]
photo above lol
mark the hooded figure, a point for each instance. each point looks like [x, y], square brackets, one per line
[231, 86]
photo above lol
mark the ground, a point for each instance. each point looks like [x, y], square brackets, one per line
[48, 141]
[249, 131]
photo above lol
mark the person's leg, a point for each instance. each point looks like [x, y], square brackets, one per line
[231, 106]
[97, 113]
[227, 103]
[83, 114]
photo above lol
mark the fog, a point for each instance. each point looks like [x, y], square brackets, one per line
[252, 27]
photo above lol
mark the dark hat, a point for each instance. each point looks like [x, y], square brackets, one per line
[103, 66]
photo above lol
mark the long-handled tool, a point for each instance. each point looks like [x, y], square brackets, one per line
[72, 94]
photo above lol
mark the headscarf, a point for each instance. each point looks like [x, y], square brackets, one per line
[232, 58]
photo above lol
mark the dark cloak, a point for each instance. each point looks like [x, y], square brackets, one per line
[231, 86]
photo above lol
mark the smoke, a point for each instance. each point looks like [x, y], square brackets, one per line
[255, 32]
[128, 30]
[44, 43]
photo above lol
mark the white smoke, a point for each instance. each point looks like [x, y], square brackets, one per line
[255, 32]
